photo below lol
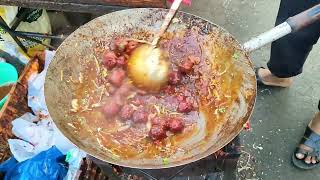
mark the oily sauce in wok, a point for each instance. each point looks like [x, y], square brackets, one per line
[131, 123]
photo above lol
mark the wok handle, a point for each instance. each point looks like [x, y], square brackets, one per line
[292, 24]
[305, 18]
[267, 37]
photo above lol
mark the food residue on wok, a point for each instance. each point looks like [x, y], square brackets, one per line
[129, 122]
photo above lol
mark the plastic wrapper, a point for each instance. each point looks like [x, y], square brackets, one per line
[36, 20]
[38, 133]
[39, 130]
[36, 100]
[36, 137]
[47, 165]
[74, 158]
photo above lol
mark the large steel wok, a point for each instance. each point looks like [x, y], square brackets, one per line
[80, 45]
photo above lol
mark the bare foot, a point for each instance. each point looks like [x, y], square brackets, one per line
[309, 159]
[271, 80]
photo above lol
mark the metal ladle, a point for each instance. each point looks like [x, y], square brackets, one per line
[148, 66]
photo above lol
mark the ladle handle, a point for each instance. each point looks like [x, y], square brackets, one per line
[292, 24]
[174, 7]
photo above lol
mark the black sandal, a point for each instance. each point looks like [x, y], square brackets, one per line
[311, 140]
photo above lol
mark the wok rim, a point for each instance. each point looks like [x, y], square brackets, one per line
[186, 161]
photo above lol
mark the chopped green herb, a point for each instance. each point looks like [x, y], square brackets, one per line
[165, 161]
[82, 120]
[83, 102]
[115, 157]
[122, 45]
[236, 56]
[222, 110]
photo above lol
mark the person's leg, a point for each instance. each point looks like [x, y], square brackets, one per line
[309, 143]
[289, 53]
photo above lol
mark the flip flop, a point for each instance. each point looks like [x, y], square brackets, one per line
[311, 140]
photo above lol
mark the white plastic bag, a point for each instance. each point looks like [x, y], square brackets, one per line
[37, 135]
[41, 136]
[21, 150]
[36, 100]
